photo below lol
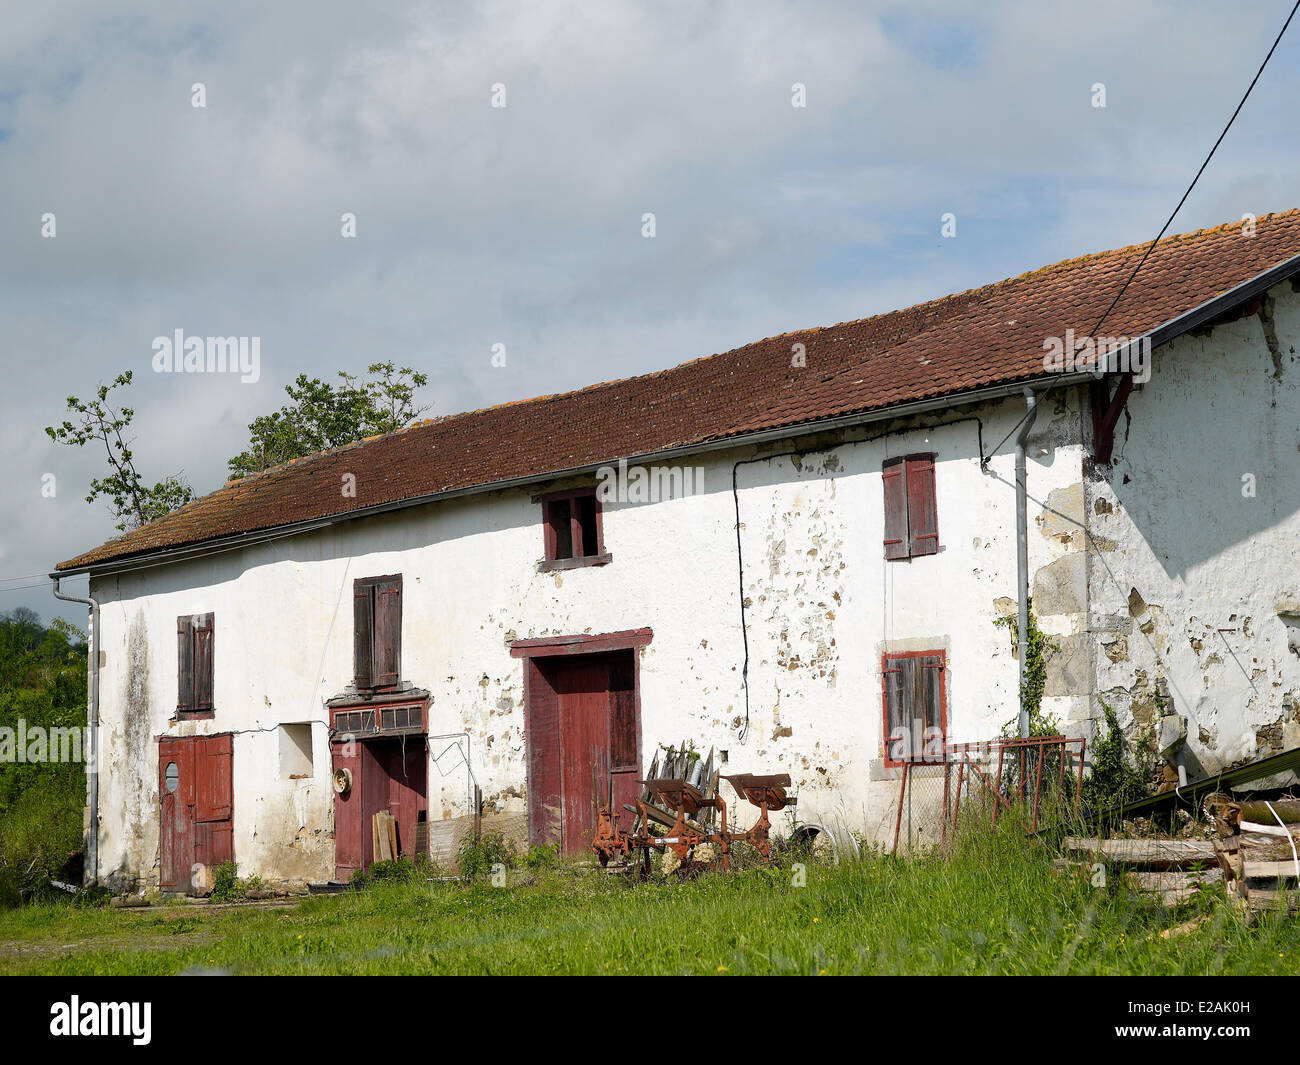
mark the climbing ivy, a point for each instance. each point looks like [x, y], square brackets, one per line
[1035, 682]
[1115, 780]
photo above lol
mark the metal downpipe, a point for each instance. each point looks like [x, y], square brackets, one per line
[1022, 555]
[91, 874]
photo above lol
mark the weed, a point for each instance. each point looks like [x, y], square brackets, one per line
[475, 858]
[226, 884]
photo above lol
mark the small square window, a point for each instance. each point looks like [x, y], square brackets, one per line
[573, 530]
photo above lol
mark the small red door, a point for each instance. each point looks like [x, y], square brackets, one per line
[196, 799]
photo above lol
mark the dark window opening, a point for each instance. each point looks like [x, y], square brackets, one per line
[573, 530]
[561, 521]
[585, 523]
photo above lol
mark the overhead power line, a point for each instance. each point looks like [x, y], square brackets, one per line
[1168, 221]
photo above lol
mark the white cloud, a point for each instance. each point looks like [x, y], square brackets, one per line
[522, 225]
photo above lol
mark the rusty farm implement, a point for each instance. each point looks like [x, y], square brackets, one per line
[689, 824]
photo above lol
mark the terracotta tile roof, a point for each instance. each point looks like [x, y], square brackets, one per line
[986, 336]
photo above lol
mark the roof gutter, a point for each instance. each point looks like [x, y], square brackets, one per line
[1199, 315]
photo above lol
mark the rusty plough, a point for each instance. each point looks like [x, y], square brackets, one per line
[689, 845]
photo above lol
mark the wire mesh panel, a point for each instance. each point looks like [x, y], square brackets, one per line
[1036, 779]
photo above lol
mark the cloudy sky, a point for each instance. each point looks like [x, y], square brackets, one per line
[522, 225]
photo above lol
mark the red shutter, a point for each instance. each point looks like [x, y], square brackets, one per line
[892, 476]
[185, 664]
[203, 633]
[213, 784]
[922, 517]
[362, 634]
[388, 632]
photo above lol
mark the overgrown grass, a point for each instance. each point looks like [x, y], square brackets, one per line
[993, 906]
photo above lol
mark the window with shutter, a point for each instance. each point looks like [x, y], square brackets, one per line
[377, 632]
[194, 665]
[914, 692]
[911, 513]
[573, 530]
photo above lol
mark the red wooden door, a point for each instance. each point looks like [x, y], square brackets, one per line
[584, 741]
[196, 800]
[349, 854]
[584, 712]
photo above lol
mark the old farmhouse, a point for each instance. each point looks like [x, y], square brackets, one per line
[793, 553]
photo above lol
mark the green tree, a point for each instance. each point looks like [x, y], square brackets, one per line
[42, 685]
[323, 416]
[132, 502]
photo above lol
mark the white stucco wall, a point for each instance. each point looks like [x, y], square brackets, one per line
[1157, 573]
[1191, 569]
[824, 605]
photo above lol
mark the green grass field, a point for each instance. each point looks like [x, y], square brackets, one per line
[995, 906]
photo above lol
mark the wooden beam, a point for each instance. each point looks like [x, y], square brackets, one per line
[1156, 853]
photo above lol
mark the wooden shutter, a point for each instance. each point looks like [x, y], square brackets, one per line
[893, 478]
[203, 636]
[185, 664]
[363, 638]
[213, 779]
[928, 700]
[922, 517]
[388, 632]
[897, 675]
[913, 700]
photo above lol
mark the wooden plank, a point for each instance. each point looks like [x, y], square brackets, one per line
[1266, 843]
[1270, 870]
[1260, 898]
[1253, 828]
[383, 842]
[392, 837]
[1158, 853]
[1174, 881]
[1230, 858]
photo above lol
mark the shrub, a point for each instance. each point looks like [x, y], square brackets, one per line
[226, 884]
[477, 857]
[541, 857]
